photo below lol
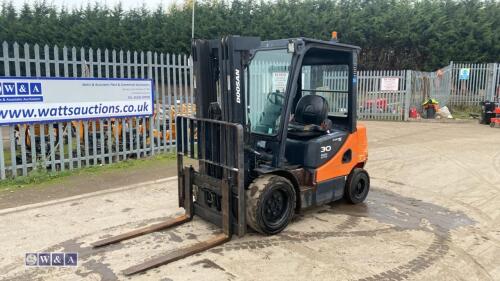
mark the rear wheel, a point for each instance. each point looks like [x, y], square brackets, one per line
[357, 186]
[270, 204]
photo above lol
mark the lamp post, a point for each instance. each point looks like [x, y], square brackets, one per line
[192, 21]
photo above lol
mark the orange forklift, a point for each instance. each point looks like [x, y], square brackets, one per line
[265, 141]
[490, 111]
[495, 121]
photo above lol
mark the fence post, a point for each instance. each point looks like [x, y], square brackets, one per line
[191, 79]
[2, 162]
[149, 55]
[406, 112]
[491, 81]
[452, 83]
[6, 61]
[2, 154]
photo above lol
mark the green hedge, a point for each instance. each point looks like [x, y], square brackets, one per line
[397, 34]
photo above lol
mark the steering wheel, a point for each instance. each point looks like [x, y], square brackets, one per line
[276, 98]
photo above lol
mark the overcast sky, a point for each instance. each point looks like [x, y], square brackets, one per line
[127, 4]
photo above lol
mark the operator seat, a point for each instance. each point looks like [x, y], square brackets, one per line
[310, 119]
[311, 140]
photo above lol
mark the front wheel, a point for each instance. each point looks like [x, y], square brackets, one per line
[357, 186]
[270, 204]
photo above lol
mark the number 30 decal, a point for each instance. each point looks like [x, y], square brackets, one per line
[326, 148]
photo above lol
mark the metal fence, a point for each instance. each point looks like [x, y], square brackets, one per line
[425, 85]
[378, 104]
[482, 83]
[69, 145]
[451, 88]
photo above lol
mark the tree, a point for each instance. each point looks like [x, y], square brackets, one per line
[393, 34]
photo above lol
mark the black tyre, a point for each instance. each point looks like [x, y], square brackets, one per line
[357, 186]
[270, 204]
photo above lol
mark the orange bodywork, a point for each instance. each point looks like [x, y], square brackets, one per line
[357, 142]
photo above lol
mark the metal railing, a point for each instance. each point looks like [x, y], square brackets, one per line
[482, 83]
[450, 88]
[376, 104]
[70, 145]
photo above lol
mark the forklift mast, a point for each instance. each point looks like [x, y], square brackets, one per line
[219, 76]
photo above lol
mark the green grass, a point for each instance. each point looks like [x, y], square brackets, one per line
[463, 112]
[40, 176]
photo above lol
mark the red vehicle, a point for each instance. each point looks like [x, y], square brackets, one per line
[495, 121]
[376, 105]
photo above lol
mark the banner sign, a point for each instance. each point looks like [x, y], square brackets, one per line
[30, 100]
[464, 74]
[389, 84]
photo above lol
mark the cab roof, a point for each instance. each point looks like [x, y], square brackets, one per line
[282, 43]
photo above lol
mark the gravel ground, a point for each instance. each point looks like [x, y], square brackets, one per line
[433, 213]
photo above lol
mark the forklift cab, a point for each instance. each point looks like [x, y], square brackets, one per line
[301, 100]
[294, 102]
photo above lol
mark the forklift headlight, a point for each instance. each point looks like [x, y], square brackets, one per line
[291, 47]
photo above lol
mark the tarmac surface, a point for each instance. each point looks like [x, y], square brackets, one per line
[433, 213]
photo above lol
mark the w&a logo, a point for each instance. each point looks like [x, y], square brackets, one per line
[51, 259]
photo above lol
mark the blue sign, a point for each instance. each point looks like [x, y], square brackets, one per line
[20, 92]
[55, 99]
[51, 259]
[23, 88]
[9, 88]
[36, 88]
[464, 74]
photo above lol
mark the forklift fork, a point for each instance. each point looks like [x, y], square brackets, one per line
[181, 252]
[178, 254]
[142, 231]
[187, 177]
